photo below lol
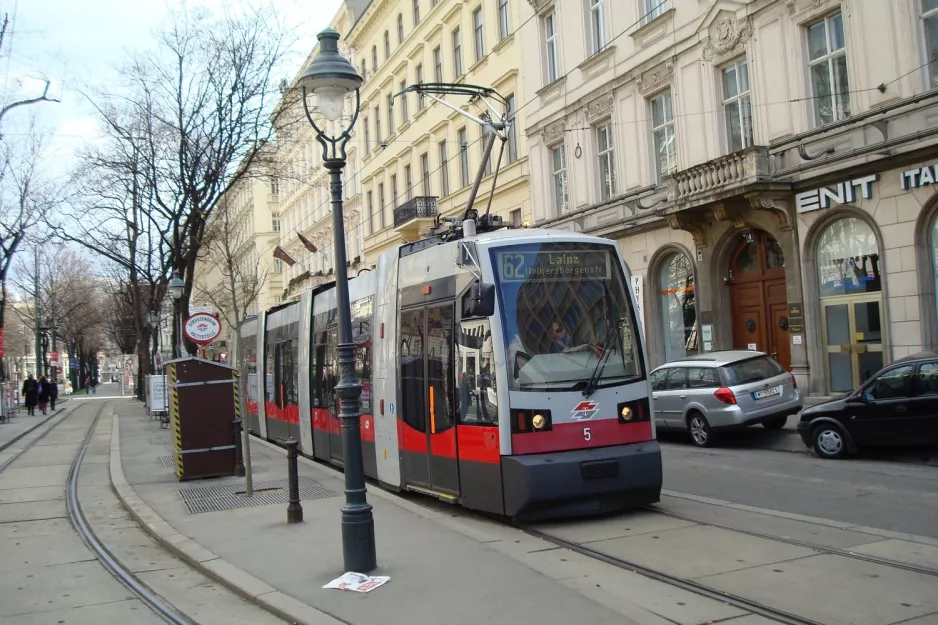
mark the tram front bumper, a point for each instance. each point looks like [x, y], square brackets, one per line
[581, 482]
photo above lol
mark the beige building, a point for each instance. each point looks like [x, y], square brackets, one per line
[766, 167]
[416, 158]
[237, 250]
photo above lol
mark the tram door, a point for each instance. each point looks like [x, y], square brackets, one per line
[427, 399]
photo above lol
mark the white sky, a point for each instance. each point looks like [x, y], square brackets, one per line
[78, 43]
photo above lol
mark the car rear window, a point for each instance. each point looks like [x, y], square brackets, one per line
[751, 370]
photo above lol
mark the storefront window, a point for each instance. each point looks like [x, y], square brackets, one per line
[848, 259]
[678, 307]
[934, 253]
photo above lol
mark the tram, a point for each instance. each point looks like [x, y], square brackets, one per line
[503, 370]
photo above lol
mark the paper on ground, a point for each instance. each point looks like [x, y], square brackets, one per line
[357, 582]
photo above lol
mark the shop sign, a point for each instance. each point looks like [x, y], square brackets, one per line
[918, 177]
[841, 193]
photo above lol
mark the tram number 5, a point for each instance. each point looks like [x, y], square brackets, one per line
[586, 434]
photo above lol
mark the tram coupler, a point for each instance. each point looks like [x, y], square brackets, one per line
[239, 452]
[294, 509]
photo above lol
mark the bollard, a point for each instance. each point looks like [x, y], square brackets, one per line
[294, 510]
[239, 456]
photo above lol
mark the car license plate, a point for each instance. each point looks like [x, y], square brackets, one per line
[767, 392]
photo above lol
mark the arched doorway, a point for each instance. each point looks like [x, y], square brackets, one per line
[758, 296]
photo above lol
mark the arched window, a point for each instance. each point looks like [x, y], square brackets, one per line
[848, 259]
[677, 290]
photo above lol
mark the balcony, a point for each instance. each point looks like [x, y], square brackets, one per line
[414, 215]
[720, 178]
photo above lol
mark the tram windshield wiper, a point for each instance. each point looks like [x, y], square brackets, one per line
[610, 344]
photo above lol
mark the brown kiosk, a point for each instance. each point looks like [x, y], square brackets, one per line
[204, 404]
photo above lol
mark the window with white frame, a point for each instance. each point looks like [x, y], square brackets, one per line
[278, 268]
[275, 222]
[437, 64]
[378, 136]
[605, 150]
[371, 214]
[652, 9]
[662, 128]
[504, 20]
[597, 22]
[478, 34]
[930, 24]
[367, 134]
[737, 106]
[400, 28]
[274, 186]
[394, 190]
[444, 170]
[514, 217]
[551, 51]
[512, 131]
[827, 65]
[374, 58]
[558, 157]
[387, 45]
[457, 53]
[390, 113]
[421, 102]
[381, 206]
[405, 114]
[408, 183]
[425, 174]
[416, 12]
[462, 138]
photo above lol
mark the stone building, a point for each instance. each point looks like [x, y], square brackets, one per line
[766, 167]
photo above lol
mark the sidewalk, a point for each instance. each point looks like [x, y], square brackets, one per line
[22, 424]
[443, 568]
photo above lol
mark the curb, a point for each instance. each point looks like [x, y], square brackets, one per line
[203, 560]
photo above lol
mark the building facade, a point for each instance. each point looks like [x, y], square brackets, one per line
[766, 167]
[415, 158]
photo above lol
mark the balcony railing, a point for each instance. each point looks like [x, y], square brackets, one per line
[421, 207]
[719, 175]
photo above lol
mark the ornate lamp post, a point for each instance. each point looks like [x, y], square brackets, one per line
[176, 287]
[330, 77]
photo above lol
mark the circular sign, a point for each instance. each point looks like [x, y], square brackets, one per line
[202, 328]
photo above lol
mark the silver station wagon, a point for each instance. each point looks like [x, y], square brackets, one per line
[722, 390]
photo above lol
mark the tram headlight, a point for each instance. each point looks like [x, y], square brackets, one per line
[633, 411]
[626, 413]
[539, 421]
[527, 420]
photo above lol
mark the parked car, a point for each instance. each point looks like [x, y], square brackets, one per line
[897, 406]
[723, 390]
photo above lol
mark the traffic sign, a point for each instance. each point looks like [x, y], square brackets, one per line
[202, 328]
[53, 359]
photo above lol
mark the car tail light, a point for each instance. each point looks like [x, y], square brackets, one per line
[794, 382]
[725, 395]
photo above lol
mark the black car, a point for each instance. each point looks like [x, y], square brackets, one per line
[897, 406]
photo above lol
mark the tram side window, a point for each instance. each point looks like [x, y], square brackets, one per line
[324, 345]
[270, 367]
[475, 374]
[440, 366]
[288, 372]
[413, 389]
[362, 312]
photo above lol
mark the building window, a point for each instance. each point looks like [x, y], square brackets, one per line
[478, 34]
[405, 114]
[374, 58]
[387, 45]
[381, 206]
[597, 21]
[400, 28]
[607, 161]
[274, 186]
[457, 53]
[278, 268]
[390, 114]
[930, 22]
[420, 97]
[408, 183]
[364, 70]
[514, 217]
[677, 291]
[463, 139]
[367, 134]
[559, 166]
[371, 214]
[662, 126]
[737, 107]
[416, 12]
[504, 20]
[437, 64]
[488, 162]
[512, 131]
[551, 42]
[378, 136]
[444, 170]
[827, 64]
[653, 8]
[394, 190]
[425, 173]
[275, 222]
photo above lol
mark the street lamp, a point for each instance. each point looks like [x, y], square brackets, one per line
[176, 287]
[331, 77]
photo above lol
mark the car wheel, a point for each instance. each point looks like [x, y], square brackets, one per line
[699, 429]
[829, 441]
[775, 424]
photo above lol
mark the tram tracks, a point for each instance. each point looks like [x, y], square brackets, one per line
[73, 505]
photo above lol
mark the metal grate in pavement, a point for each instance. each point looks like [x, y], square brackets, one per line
[168, 462]
[160, 441]
[266, 492]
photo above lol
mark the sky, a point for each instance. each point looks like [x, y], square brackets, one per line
[78, 43]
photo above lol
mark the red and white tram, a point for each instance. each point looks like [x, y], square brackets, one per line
[504, 371]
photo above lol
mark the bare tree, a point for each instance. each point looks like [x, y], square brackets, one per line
[42, 97]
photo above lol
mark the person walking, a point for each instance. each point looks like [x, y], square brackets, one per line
[30, 390]
[94, 386]
[53, 393]
[88, 385]
[42, 395]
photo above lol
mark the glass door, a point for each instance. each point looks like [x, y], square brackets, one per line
[853, 340]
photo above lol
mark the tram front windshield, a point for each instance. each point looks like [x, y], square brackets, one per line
[567, 320]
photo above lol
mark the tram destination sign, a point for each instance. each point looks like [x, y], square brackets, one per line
[540, 265]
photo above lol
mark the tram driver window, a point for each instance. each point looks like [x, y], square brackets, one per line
[475, 374]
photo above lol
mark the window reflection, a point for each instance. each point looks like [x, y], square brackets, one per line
[848, 259]
[475, 373]
[678, 307]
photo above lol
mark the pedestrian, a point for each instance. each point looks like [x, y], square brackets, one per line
[87, 385]
[30, 390]
[94, 386]
[53, 393]
[42, 395]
